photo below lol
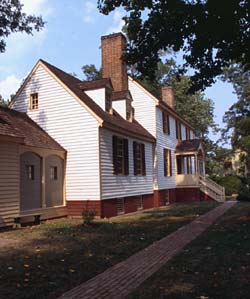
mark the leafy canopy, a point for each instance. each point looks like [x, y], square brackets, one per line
[210, 33]
[12, 19]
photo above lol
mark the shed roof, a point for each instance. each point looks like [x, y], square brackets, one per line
[19, 125]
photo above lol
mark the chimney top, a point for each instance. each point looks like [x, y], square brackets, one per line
[113, 35]
[113, 66]
[168, 95]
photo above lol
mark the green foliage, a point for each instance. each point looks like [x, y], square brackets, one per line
[88, 216]
[208, 35]
[14, 20]
[231, 183]
[3, 103]
[91, 72]
[237, 118]
[244, 193]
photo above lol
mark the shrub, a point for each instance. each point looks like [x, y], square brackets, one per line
[244, 193]
[88, 216]
[231, 183]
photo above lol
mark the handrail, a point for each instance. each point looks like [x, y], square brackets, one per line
[211, 188]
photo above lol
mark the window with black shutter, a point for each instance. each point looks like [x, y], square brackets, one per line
[187, 133]
[139, 158]
[165, 123]
[167, 162]
[120, 155]
[178, 130]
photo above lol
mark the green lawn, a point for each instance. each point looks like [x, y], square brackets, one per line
[55, 256]
[215, 266]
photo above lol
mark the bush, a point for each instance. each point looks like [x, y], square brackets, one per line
[244, 193]
[231, 183]
[88, 216]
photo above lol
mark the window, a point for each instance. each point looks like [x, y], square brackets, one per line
[120, 206]
[108, 100]
[34, 101]
[167, 162]
[166, 199]
[139, 202]
[53, 173]
[120, 156]
[30, 172]
[178, 129]
[139, 158]
[165, 123]
[187, 133]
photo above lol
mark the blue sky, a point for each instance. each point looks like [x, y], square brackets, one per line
[71, 39]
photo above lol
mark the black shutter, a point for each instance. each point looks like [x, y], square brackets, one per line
[143, 159]
[135, 158]
[163, 122]
[165, 161]
[115, 168]
[177, 129]
[168, 125]
[170, 163]
[125, 151]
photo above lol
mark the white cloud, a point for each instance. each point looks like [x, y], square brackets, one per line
[9, 86]
[90, 12]
[37, 7]
[118, 23]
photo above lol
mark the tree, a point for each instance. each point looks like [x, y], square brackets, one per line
[209, 34]
[237, 118]
[3, 103]
[91, 72]
[14, 20]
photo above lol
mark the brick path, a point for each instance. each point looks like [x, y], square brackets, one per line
[121, 279]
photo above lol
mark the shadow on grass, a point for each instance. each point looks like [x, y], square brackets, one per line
[57, 256]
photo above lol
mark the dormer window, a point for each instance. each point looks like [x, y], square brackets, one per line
[108, 101]
[34, 101]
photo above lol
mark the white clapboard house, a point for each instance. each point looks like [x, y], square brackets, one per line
[110, 145]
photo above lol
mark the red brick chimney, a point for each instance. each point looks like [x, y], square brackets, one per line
[113, 67]
[168, 95]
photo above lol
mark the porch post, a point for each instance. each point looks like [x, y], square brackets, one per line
[196, 164]
[43, 183]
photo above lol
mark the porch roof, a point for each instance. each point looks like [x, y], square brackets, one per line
[193, 145]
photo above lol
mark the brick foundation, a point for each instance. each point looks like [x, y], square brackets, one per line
[205, 197]
[108, 207]
[75, 207]
[187, 194]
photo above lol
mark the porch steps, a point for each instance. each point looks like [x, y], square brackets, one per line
[212, 189]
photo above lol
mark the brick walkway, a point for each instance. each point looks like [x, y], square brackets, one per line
[121, 279]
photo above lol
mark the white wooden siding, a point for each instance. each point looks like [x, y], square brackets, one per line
[120, 107]
[165, 141]
[70, 124]
[115, 186]
[98, 95]
[9, 183]
[144, 106]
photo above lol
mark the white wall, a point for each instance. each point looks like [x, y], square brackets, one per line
[114, 186]
[67, 121]
[144, 106]
[120, 107]
[98, 95]
[165, 141]
[9, 182]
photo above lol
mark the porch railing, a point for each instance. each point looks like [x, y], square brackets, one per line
[212, 189]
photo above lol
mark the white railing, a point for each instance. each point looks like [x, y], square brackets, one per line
[212, 189]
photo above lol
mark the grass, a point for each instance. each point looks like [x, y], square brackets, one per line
[214, 266]
[55, 256]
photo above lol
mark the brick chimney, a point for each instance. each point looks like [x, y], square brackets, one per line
[113, 67]
[168, 95]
